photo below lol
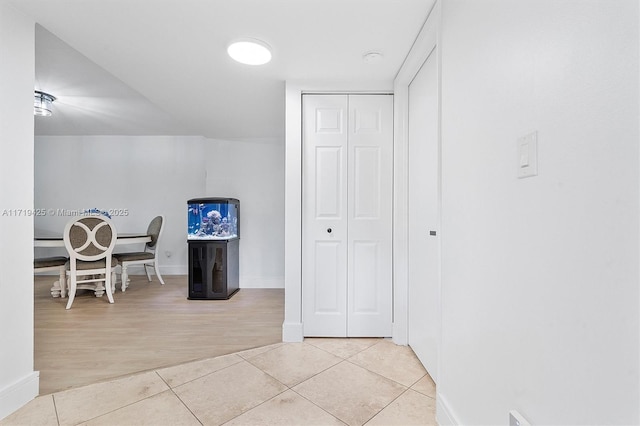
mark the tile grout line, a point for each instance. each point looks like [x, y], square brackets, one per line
[383, 408]
[288, 388]
[358, 352]
[55, 408]
[267, 351]
[179, 399]
[308, 378]
[256, 406]
[322, 408]
[215, 371]
[264, 372]
[204, 375]
[406, 388]
[421, 393]
[378, 374]
[409, 388]
[356, 365]
[122, 406]
[422, 377]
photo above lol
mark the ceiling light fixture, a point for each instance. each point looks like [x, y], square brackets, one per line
[372, 57]
[250, 51]
[42, 103]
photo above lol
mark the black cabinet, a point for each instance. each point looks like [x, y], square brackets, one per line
[213, 269]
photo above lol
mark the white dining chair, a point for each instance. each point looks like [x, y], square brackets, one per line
[147, 258]
[90, 240]
[55, 263]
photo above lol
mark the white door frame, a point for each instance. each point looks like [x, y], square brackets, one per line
[292, 326]
[427, 40]
[347, 272]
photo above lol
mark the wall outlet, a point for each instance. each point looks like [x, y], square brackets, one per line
[516, 419]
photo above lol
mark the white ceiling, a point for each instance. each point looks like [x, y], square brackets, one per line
[160, 66]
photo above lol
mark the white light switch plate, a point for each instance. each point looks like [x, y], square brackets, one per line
[516, 419]
[528, 155]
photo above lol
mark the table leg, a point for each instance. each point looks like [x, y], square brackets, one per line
[99, 290]
[56, 290]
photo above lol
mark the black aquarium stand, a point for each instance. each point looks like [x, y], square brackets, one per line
[213, 269]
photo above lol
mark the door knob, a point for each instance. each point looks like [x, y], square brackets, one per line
[329, 230]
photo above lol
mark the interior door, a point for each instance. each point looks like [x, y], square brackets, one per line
[370, 201]
[324, 220]
[347, 215]
[423, 220]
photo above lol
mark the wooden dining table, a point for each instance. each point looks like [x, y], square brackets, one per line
[43, 238]
[52, 239]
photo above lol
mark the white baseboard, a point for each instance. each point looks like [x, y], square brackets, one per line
[444, 413]
[245, 281]
[292, 332]
[400, 335]
[19, 393]
[261, 282]
[164, 270]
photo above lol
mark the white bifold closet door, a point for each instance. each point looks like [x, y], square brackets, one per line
[347, 194]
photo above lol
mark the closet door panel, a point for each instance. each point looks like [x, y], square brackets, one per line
[324, 215]
[370, 198]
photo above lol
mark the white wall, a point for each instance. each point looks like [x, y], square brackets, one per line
[18, 381]
[150, 175]
[253, 172]
[540, 275]
[147, 175]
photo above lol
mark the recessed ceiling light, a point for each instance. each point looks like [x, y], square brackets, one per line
[372, 57]
[250, 51]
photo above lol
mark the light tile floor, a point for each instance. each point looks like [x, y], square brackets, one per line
[317, 382]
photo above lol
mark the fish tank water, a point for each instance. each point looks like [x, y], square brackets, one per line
[213, 219]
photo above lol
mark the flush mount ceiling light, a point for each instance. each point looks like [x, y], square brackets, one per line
[42, 103]
[372, 57]
[250, 51]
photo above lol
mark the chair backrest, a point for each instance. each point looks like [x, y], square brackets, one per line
[155, 231]
[90, 238]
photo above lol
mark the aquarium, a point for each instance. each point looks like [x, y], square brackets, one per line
[213, 219]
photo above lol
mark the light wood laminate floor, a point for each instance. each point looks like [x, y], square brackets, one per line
[150, 326]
